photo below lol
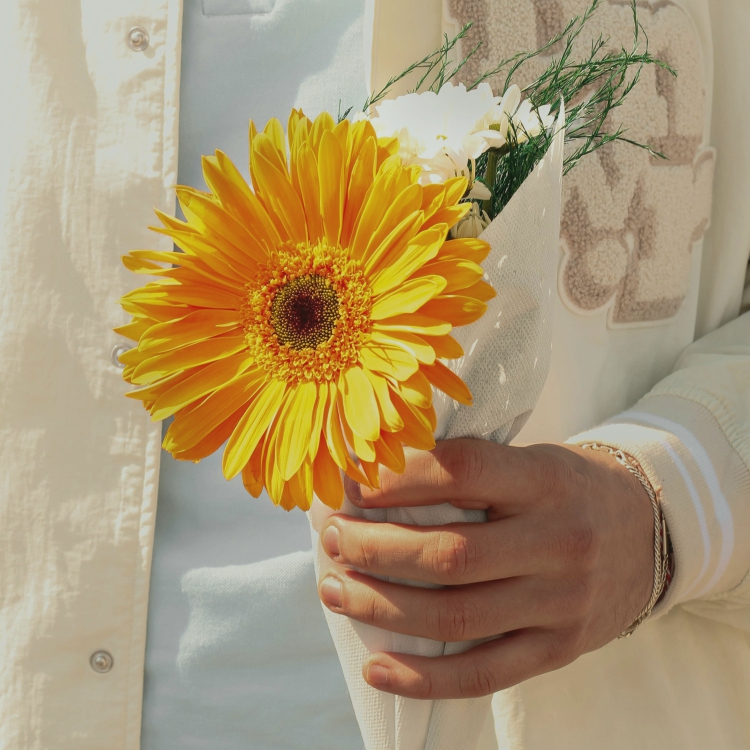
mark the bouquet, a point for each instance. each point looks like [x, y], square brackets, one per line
[386, 280]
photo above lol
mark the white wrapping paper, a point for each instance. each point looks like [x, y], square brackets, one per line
[506, 363]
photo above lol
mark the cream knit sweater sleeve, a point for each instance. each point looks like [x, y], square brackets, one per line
[691, 434]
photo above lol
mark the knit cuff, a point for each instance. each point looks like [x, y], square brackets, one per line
[682, 449]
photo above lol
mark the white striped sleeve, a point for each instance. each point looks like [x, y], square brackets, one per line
[691, 434]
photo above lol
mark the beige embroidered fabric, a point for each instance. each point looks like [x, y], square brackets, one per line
[630, 221]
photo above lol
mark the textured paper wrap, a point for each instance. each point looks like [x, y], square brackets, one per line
[507, 356]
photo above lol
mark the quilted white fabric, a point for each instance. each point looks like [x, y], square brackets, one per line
[505, 366]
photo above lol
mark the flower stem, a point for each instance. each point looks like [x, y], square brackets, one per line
[489, 179]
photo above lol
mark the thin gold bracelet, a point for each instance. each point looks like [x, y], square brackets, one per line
[662, 551]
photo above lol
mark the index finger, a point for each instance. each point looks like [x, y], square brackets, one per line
[468, 473]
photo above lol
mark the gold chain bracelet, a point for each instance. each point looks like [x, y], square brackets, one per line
[662, 551]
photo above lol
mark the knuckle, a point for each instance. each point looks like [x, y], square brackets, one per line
[454, 556]
[583, 544]
[558, 650]
[366, 553]
[424, 688]
[553, 475]
[455, 618]
[578, 545]
[370, 609]
[463, 462]
[476, 680]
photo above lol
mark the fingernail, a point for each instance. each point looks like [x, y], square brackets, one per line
[353, 490]
[331, 592]
[377, 675]
[331, 541]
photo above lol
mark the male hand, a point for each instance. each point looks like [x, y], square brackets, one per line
[563, 566]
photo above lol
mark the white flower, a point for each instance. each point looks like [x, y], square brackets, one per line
[472, 225]
[445, 133]
[441, 132]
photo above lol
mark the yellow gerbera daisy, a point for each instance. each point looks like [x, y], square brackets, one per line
[304, 320]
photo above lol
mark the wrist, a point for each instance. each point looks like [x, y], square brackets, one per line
[642, 488]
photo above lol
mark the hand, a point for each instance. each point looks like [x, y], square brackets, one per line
[563, 566]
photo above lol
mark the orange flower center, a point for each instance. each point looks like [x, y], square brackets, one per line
[307, 313]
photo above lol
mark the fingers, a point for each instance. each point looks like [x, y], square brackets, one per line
[472, 474]
[482, 670]
[454, 554]
[453, 614]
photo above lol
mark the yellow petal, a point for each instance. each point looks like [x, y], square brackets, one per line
[417, 432]
[410, 297]
[321, 401]
[372, 471]
[275, 485]
[327, 478]
[323, 123]
[281, 198]
[416, 390]
[194, 264]
[389, 417]
[256, 219]
[390, 452]
[221, 230]
[419, 251]
[394, 245]
[211, 441]
[333, 432]
[192, 423]
[153, 391]
[332, 189]
[135, 329]
[360, 405]
[201, 382]
[195, 295]
[457, 310]
[362, 448]
[448, 382]
[408, 341]
[409, 201]
[455, 189]
[432, 198]
[362, 176]
[459, 274]
[446, 347]
[199, 353]
[295, 423]
[414, 323]
[249, 430]
[466, 248]
[448, 216]
[301, 486]
[196, 326]
[382, 193]
[223, 266]
[389, 360]
[481, 291]
[137, 265]
[275, 133]
[306, 167]
[252, 472]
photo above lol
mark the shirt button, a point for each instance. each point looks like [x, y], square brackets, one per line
[138, 39]
[101, 661]
[118, 350]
